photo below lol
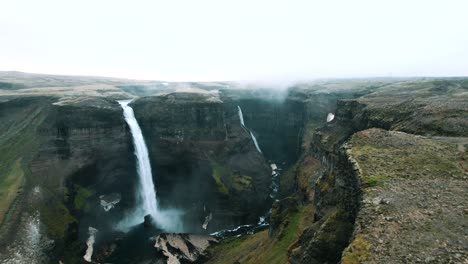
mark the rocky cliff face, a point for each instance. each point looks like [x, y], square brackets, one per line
[203, 159]
[415, 107]
[69, 154]
[84, 151]
[327, 180]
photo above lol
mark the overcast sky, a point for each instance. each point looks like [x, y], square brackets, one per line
[235, 40]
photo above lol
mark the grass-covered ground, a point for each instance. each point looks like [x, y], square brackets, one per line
[413, 199]
[10, 186]
[18, 143]
[260, 247]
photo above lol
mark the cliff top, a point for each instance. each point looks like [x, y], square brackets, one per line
[413, 206]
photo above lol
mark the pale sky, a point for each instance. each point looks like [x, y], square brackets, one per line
[235, 40]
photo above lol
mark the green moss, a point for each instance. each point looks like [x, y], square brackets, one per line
[373, 181]
[336, 229]
[217, 174]
[259, 247]
[402, 156]
[10, 185]
[242, 182]
[81, 195]
[279, 251]
[18, 145]
[357, 252]
[56, 217]
[228, 244]
[227, 180]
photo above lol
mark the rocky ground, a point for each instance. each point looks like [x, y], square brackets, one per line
[413, 205]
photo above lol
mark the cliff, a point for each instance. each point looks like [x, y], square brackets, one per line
[203, 159]
[341, 184]
[411, 207]
[327, 181]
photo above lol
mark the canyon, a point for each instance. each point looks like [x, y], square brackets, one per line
[368, 171]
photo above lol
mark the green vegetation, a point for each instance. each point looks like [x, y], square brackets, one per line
[405, 156]
[372, 181]
[56, 217]
[10, 185]
[81, 195]
[259, 247]
[357, 252]
[335, 231]
[218, 173]
[242, 182]
[227, 179]
[18, 144]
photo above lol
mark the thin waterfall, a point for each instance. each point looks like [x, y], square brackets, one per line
[255, 142]
[241, 118]
[146, 190]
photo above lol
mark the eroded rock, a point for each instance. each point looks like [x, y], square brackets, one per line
[109, 201]
[183, 248]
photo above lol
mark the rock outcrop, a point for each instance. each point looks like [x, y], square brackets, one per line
[183, 248]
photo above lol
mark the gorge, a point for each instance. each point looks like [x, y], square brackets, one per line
[346, 157]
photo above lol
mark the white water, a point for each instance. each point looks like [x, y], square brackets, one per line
[241, 116]
[147, 193]
[90, 243]
[254, 139]
[167, 219]
[255, 142]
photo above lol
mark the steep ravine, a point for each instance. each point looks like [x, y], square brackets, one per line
[338, 192]
[206, 165]
[327, 184]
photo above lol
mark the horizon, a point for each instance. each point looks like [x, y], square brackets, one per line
[296, 81]
[274, 41]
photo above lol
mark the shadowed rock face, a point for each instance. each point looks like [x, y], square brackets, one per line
[203, 159]
[75, 153]
[276, 120]
[204, 163]
[86, 152]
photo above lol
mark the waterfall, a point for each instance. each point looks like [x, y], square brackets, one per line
[241, 118]
[168, 219]
[147, 193]
[255, 142]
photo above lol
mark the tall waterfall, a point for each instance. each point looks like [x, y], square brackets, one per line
[241, 118]
[147, 193]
